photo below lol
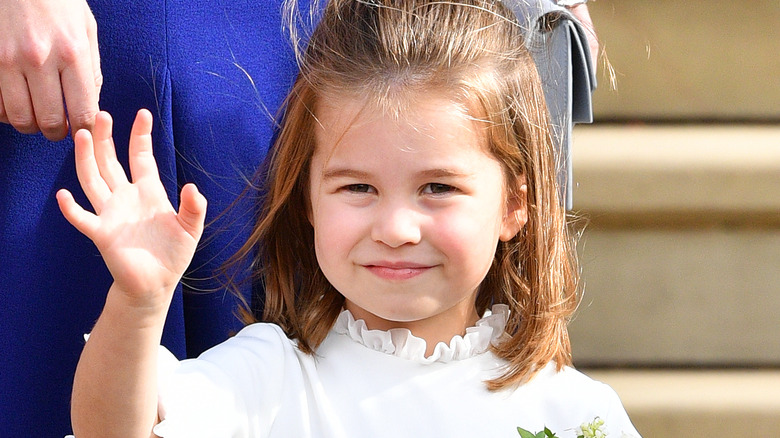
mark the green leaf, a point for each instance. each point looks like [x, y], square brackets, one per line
[546, 433]
[524, 433]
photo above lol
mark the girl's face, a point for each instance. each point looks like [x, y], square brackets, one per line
[407, 213]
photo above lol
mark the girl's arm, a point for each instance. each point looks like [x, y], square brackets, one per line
[147, 246]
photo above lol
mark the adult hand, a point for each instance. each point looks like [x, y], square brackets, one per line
[145, 243]
[48, 53]
[581, 12]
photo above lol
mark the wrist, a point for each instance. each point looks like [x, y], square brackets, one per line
[149, 311]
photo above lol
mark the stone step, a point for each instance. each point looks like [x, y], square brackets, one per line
[647, 169]
[681, 252]
[689, 403]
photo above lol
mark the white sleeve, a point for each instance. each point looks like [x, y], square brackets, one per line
[232, 390]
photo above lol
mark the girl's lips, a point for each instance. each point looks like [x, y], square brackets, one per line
[396, 271]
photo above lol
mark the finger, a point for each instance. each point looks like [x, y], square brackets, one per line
[83, 220]
[46, 96]
[583, 14]
[93, 47]
[92, 183]
[3, 117]
[142, 163]
[105, 153]
[17, 103]
[78, 87]
[192, 211]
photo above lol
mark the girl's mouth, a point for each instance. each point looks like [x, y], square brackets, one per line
[397, 271]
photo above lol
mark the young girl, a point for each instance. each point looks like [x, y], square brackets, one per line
[414, 252]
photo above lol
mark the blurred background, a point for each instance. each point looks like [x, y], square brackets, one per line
[678, 184]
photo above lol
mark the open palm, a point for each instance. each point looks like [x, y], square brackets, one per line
[145, 243]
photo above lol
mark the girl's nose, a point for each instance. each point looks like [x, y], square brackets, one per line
[396, 226]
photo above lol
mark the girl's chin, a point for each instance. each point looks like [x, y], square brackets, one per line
[413, 317]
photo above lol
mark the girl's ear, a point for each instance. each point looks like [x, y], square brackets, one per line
[516, 214]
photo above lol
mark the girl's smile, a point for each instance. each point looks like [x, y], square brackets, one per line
[411, 187]
[407, 212]
[397, 271]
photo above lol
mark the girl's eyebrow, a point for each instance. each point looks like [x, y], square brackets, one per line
[359, 174]
[444, 173]
[343, 173]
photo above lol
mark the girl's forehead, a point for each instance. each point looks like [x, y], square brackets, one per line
[338, 114]
[431, 127]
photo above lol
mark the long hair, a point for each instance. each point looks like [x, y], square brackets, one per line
[380, 49]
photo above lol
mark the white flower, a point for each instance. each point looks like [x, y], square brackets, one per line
[594, 429]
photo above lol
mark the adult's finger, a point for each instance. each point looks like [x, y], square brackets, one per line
[45, 93]
[581, 12]
[3, 118]
[93, 47]
[17, 102]
[46, 37]
[78, 88]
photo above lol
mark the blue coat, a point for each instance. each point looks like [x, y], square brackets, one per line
[214, 74]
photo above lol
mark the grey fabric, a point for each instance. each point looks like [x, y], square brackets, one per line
[559, 46]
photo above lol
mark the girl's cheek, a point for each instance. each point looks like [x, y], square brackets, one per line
[466, 231]
[339, 224]
[452, 233]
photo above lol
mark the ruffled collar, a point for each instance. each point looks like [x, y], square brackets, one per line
[402, 343]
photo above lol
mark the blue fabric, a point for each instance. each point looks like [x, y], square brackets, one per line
[214, 74]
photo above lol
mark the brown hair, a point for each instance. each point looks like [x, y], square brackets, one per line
[472, 50]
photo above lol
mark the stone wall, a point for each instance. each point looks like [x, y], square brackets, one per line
[693, 60]
[681, 251]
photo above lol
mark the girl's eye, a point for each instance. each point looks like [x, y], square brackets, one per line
[436, 188]
[359, 188]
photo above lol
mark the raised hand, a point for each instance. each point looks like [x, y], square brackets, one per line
[145, 243]
[48, 54]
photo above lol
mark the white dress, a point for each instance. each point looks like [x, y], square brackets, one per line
[370, 383]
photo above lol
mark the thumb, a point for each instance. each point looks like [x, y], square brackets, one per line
[192, 211]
